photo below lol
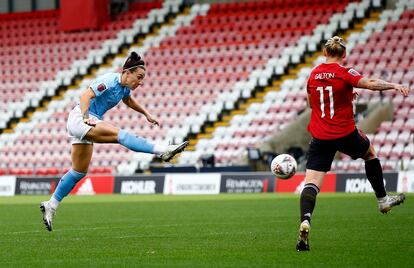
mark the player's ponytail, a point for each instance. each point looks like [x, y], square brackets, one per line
[335, 47]
[133, 62]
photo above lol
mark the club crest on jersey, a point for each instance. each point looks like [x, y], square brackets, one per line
[353, 72]
[101, 87]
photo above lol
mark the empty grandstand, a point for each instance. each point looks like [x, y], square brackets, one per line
[227, 76]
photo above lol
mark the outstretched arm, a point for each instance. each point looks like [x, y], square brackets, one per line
[132, 103]
[380, 85]
[84, 103]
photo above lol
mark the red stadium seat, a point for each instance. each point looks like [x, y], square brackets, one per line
[100, 170]
[202, 60]
[36, 33]
[21, 171]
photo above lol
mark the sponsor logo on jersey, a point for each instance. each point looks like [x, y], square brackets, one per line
[353, 72]
[101, 87]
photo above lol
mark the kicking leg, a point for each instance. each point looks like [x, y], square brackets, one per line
[106, 133]
[373, 171]
[374, 174]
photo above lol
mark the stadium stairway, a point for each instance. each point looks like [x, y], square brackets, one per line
[237, 129]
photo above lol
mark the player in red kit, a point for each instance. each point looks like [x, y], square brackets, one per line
[330, 95]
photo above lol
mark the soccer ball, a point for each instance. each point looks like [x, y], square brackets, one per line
[283, 166]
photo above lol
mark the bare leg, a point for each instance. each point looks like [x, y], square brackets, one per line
[81, 157]
[103, 132]
[314, 177]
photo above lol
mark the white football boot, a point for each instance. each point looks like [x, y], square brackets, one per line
[172, 150]
[385, 204]
[303, 242]
[48, 213]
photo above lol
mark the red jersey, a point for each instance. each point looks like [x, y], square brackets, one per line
[331, 86]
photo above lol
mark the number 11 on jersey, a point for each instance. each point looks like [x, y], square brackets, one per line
[331, 101]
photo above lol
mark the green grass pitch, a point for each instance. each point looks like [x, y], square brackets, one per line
[227, 230]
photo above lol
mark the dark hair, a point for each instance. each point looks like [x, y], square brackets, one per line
[335, 47]
[133, 62]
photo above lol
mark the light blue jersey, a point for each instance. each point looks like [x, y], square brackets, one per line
[108, 93]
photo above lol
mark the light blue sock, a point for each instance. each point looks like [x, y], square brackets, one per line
[66, 184]
[135, 143]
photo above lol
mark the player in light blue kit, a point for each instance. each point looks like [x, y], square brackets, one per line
[85, 126]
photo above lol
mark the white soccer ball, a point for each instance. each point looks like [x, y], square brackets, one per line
[284, 166]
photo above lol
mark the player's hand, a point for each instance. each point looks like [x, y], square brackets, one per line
[89, 121]
[152, 120]
[402, 89]
[355, 95]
